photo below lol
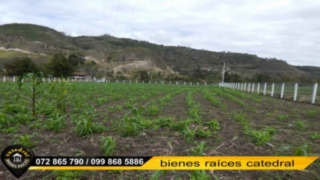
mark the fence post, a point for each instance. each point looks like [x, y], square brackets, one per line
[265, 89]
[14, 79]
[245, 86]
[282, 90]
[184, 83]
[4, 78]
[295, 94]
[205, 83]
[253, 88]
[272, 90]
[162, 82]
[258, 88]
[249, 85]
[314, 94]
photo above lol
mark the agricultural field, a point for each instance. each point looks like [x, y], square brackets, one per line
[122, 119]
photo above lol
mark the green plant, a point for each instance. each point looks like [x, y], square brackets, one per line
[189, 134]
[238, 117]
[6, 121]
[300, 125]
[35, 80]
[303, 150]
[201, 133]
[59, 92]
[153, 109]
[315, 135]
[199, 175]
[270, 130]
[56, 122]
[260, 137]
[213, 125]
[158, 175]
[130, 126]
[108, 145]
[282, 117]
[312, 113]
[163, 121]
[25, 140]
[68, 175]
[179, 125]
[9, 130]
[199, 150]
[83, 126]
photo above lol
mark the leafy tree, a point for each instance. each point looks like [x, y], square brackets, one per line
[59, 65]
[197, 74]
[21, 66]
[76, 59]
[144, 75]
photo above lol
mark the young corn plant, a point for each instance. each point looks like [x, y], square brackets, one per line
[60, 92]
[282, 117]
[199, 175]
[83, 126]
[108, 145]
[304, 150]
[300, 125]
[315, 135]
[6, 121]
[66, 175]
[214, 125]
[25, 140]
[35, 81]
[260, 137]
[158, 175]
[201, 133]
[312, 113]
[189, 134]
[199, 150]
[179, 125]
[56, 122]
[130, 126]
[153, 109]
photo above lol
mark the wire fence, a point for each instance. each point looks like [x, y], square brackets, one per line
[302, 92]
[193, 83]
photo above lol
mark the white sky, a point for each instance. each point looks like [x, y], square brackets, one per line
[284, 29]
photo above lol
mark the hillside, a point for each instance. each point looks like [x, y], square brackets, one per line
[129, 56]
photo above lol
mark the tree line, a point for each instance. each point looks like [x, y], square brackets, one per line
[60, 65]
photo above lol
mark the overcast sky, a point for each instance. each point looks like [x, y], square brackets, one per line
[284, 29]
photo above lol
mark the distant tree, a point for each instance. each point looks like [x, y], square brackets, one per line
[21, 66]
[76, 59]
[59, 65]
[197, 74]
[144, 76]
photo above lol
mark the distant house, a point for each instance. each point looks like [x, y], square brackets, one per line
[81, 75]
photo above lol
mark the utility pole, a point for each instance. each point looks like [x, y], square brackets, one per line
[223, 71]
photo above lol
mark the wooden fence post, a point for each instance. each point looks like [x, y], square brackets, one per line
[282, 90]
[272, 90]
[314, 94]
[295, 94]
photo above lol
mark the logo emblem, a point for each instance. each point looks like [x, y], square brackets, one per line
[17, 159]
